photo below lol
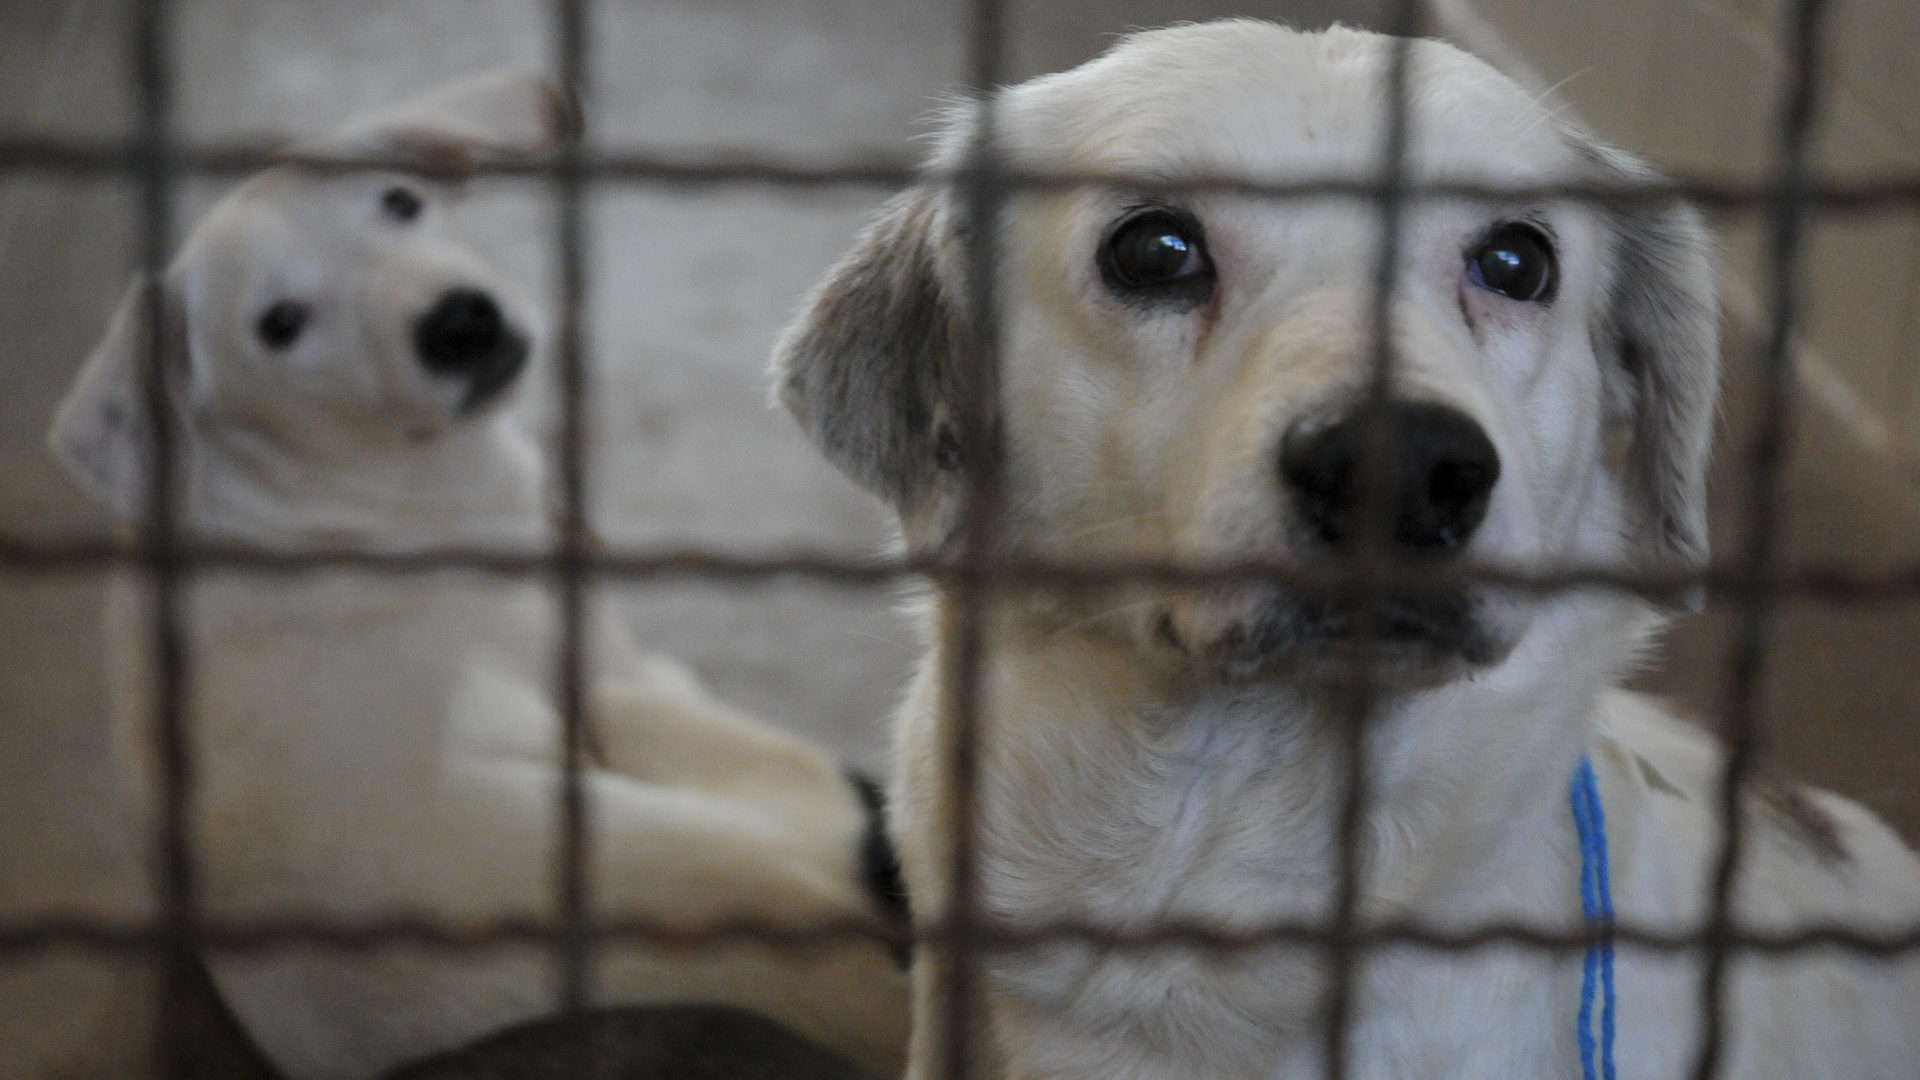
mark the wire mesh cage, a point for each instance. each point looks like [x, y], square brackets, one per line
[1754, 583]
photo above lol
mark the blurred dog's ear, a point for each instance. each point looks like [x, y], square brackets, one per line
[872, 367]
[102, 432]
[505, 115]
[1659, 332]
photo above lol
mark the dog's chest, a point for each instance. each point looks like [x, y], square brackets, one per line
[1215, 818]
[1222, 819]
[1449, 1016]
[1203, 814]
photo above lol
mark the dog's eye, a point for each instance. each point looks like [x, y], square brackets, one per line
[280, 325]
[400, 204]
[1514, 260]
[1157, 252]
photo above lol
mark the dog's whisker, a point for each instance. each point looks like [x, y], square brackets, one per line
[1101, 528]
[1103, 615]
[1543, 97]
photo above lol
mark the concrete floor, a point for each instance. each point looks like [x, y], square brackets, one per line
[690, 288]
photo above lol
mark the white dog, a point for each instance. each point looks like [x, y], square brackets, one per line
[1182, 378]
[372, 746]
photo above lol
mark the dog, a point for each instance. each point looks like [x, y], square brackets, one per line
[1185, 376]
[661, 1042]
[335, 365]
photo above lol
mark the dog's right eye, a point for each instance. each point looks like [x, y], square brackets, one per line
[1516, 261]
[1157, 253]
[280, 325]
[401, 204]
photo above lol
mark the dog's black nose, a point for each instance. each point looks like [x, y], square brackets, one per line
[1436, 470]
[465, 335]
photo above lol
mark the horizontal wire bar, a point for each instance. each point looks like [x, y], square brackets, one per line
[35, 154]
[31, 154]
[19, 938]
[1830, 583]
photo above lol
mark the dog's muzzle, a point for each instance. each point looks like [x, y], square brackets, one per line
[466, 336]
[1416, 477]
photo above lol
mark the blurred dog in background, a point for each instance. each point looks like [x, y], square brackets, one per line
[368, 746]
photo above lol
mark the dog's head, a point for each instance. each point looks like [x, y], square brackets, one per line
[1186, 374]
[323, 316]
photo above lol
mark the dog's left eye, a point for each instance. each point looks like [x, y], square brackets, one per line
[1157, 252]
[280, 325]
[1515, 260]
[401, 204]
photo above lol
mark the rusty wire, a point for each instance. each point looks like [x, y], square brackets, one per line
[967, 609]
[1836, 584]
[1373, 547]
[1765, 467]
[428, 930]
[572, 573]
[165, 575]
[39, 154]
[973, 580]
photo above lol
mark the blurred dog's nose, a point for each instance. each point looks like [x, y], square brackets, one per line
[1435, 472]
[463, 330]
[465, 335]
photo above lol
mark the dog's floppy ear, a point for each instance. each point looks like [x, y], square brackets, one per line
[101, 431]
[503, 115]
[871, 367]
[1660, 335]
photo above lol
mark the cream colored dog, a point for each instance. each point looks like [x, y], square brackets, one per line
[1182, 377]
[369, 746]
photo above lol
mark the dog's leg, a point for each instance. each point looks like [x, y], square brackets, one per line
[650, 732]
[654, 720]
[658, 731]
[655, 733]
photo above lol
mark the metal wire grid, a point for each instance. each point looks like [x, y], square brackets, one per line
[168, 559]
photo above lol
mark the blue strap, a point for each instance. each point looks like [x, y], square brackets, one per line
[1596, 904]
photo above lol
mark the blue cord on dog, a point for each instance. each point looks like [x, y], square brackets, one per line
[1596, 903]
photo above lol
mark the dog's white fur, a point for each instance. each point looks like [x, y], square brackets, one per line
[368, 747]
[1140, 761]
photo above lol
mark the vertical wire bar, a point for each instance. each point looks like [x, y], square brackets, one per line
[1802, 45]
[164, 570]
[571, 572]
[984, 191]
[1373, 536]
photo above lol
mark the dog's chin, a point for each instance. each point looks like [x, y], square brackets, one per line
[1395, 644]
